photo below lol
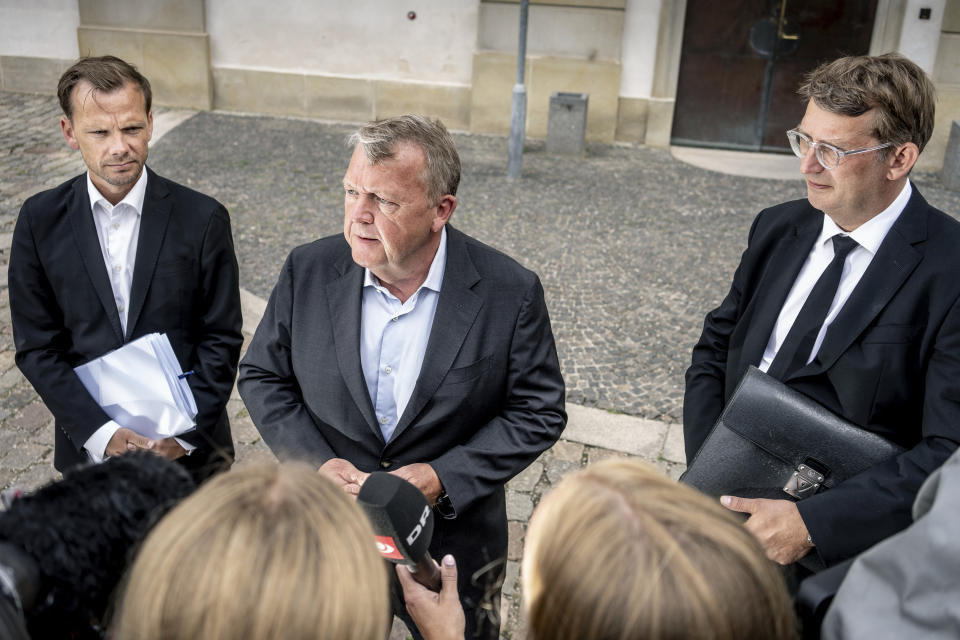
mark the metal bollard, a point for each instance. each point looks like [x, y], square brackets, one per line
[567, 122]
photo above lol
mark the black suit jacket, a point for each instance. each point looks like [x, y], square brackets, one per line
[185, 284]
[890, 361]
[488, 401]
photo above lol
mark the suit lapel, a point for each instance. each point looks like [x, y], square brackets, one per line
[153, 226]
[895, 261]
[457, 310]
[85, 235]
[344, 298]
[776, 283]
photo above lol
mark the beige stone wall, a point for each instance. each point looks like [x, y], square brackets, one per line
[337, 98]
[32, 75]
[494, 74]
[165, 39]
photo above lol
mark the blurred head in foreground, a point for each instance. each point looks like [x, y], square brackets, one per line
[619, 551]
[264, 551]
[70, 541]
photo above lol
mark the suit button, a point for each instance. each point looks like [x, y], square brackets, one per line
[386, 464]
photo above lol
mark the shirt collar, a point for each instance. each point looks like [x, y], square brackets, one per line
[134, 197]
[434, 276]
[871, 233]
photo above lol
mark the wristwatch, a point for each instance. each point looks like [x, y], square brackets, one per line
[444, 506]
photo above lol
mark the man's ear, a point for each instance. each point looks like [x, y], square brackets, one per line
[68, 133]
[445, 209]
[901, 160]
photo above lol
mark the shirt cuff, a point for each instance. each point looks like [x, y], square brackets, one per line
[96, 445]
[186, 445]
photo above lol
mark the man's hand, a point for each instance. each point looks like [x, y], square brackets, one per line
[125, 440]
[167, 448]
[343, 474]
[777, 524]
[423, 477]
[439, 616]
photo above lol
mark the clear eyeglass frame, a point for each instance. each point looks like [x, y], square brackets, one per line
[827, 155]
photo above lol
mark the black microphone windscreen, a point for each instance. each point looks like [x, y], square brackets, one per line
[400, 514]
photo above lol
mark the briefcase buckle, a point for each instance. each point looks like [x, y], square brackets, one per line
[804, 482]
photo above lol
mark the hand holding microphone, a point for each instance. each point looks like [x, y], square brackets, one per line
[439, 616]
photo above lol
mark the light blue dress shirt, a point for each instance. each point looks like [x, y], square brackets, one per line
[393, 340]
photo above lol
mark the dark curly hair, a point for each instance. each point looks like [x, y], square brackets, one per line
[82, 531]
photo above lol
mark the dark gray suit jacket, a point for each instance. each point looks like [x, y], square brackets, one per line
[488, 401]
[890, 361]
[185, 284]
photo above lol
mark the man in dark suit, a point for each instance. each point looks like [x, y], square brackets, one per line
[115, 254]
[409, 347]
[887, 354]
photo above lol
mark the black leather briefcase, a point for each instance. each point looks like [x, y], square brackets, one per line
[773, 442]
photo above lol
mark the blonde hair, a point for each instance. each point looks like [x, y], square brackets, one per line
[618, 551]
[264, 551]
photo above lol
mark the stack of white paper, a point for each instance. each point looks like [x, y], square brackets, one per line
[142, 387]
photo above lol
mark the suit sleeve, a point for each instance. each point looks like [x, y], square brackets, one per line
[269, 387]
[532, 418]
[703, 397]
[42, 341]
[875, 504]
[219, 322]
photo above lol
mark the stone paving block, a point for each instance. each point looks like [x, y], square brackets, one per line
[19, 396]
[8, 439]
[672, 470]
[7, 477]
[510, 581]
[527, 479]
[514, 618]
[244, 431]
[22, 455]
[32, 418]
[565, 450]
[597, 454]
[247, 454]
[515, 533]
[559, 468]
[6, 361]
[615, 431]
[11, 378]
[519, 506]
[38, 475]
[673, 450]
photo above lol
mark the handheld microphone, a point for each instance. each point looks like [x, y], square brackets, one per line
[402, 524]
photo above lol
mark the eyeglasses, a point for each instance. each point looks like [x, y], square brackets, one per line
[827, 155]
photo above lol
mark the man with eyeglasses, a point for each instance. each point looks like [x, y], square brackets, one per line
[886, 356]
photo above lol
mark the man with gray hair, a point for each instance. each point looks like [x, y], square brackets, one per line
[409, 347]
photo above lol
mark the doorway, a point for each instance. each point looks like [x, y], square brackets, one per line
[742, 60]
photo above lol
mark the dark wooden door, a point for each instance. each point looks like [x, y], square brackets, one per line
[742, 61]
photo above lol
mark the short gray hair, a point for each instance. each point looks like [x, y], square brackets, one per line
[380, 138]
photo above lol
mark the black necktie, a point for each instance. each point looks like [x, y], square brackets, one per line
[799, 342]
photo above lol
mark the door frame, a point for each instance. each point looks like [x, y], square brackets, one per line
[887, 25]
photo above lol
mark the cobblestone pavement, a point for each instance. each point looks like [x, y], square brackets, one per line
[633, 248]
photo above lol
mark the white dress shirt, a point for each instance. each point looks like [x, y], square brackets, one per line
[118, 230]
[393, 340]
[869, 236]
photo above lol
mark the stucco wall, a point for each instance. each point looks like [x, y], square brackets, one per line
[373, 39]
